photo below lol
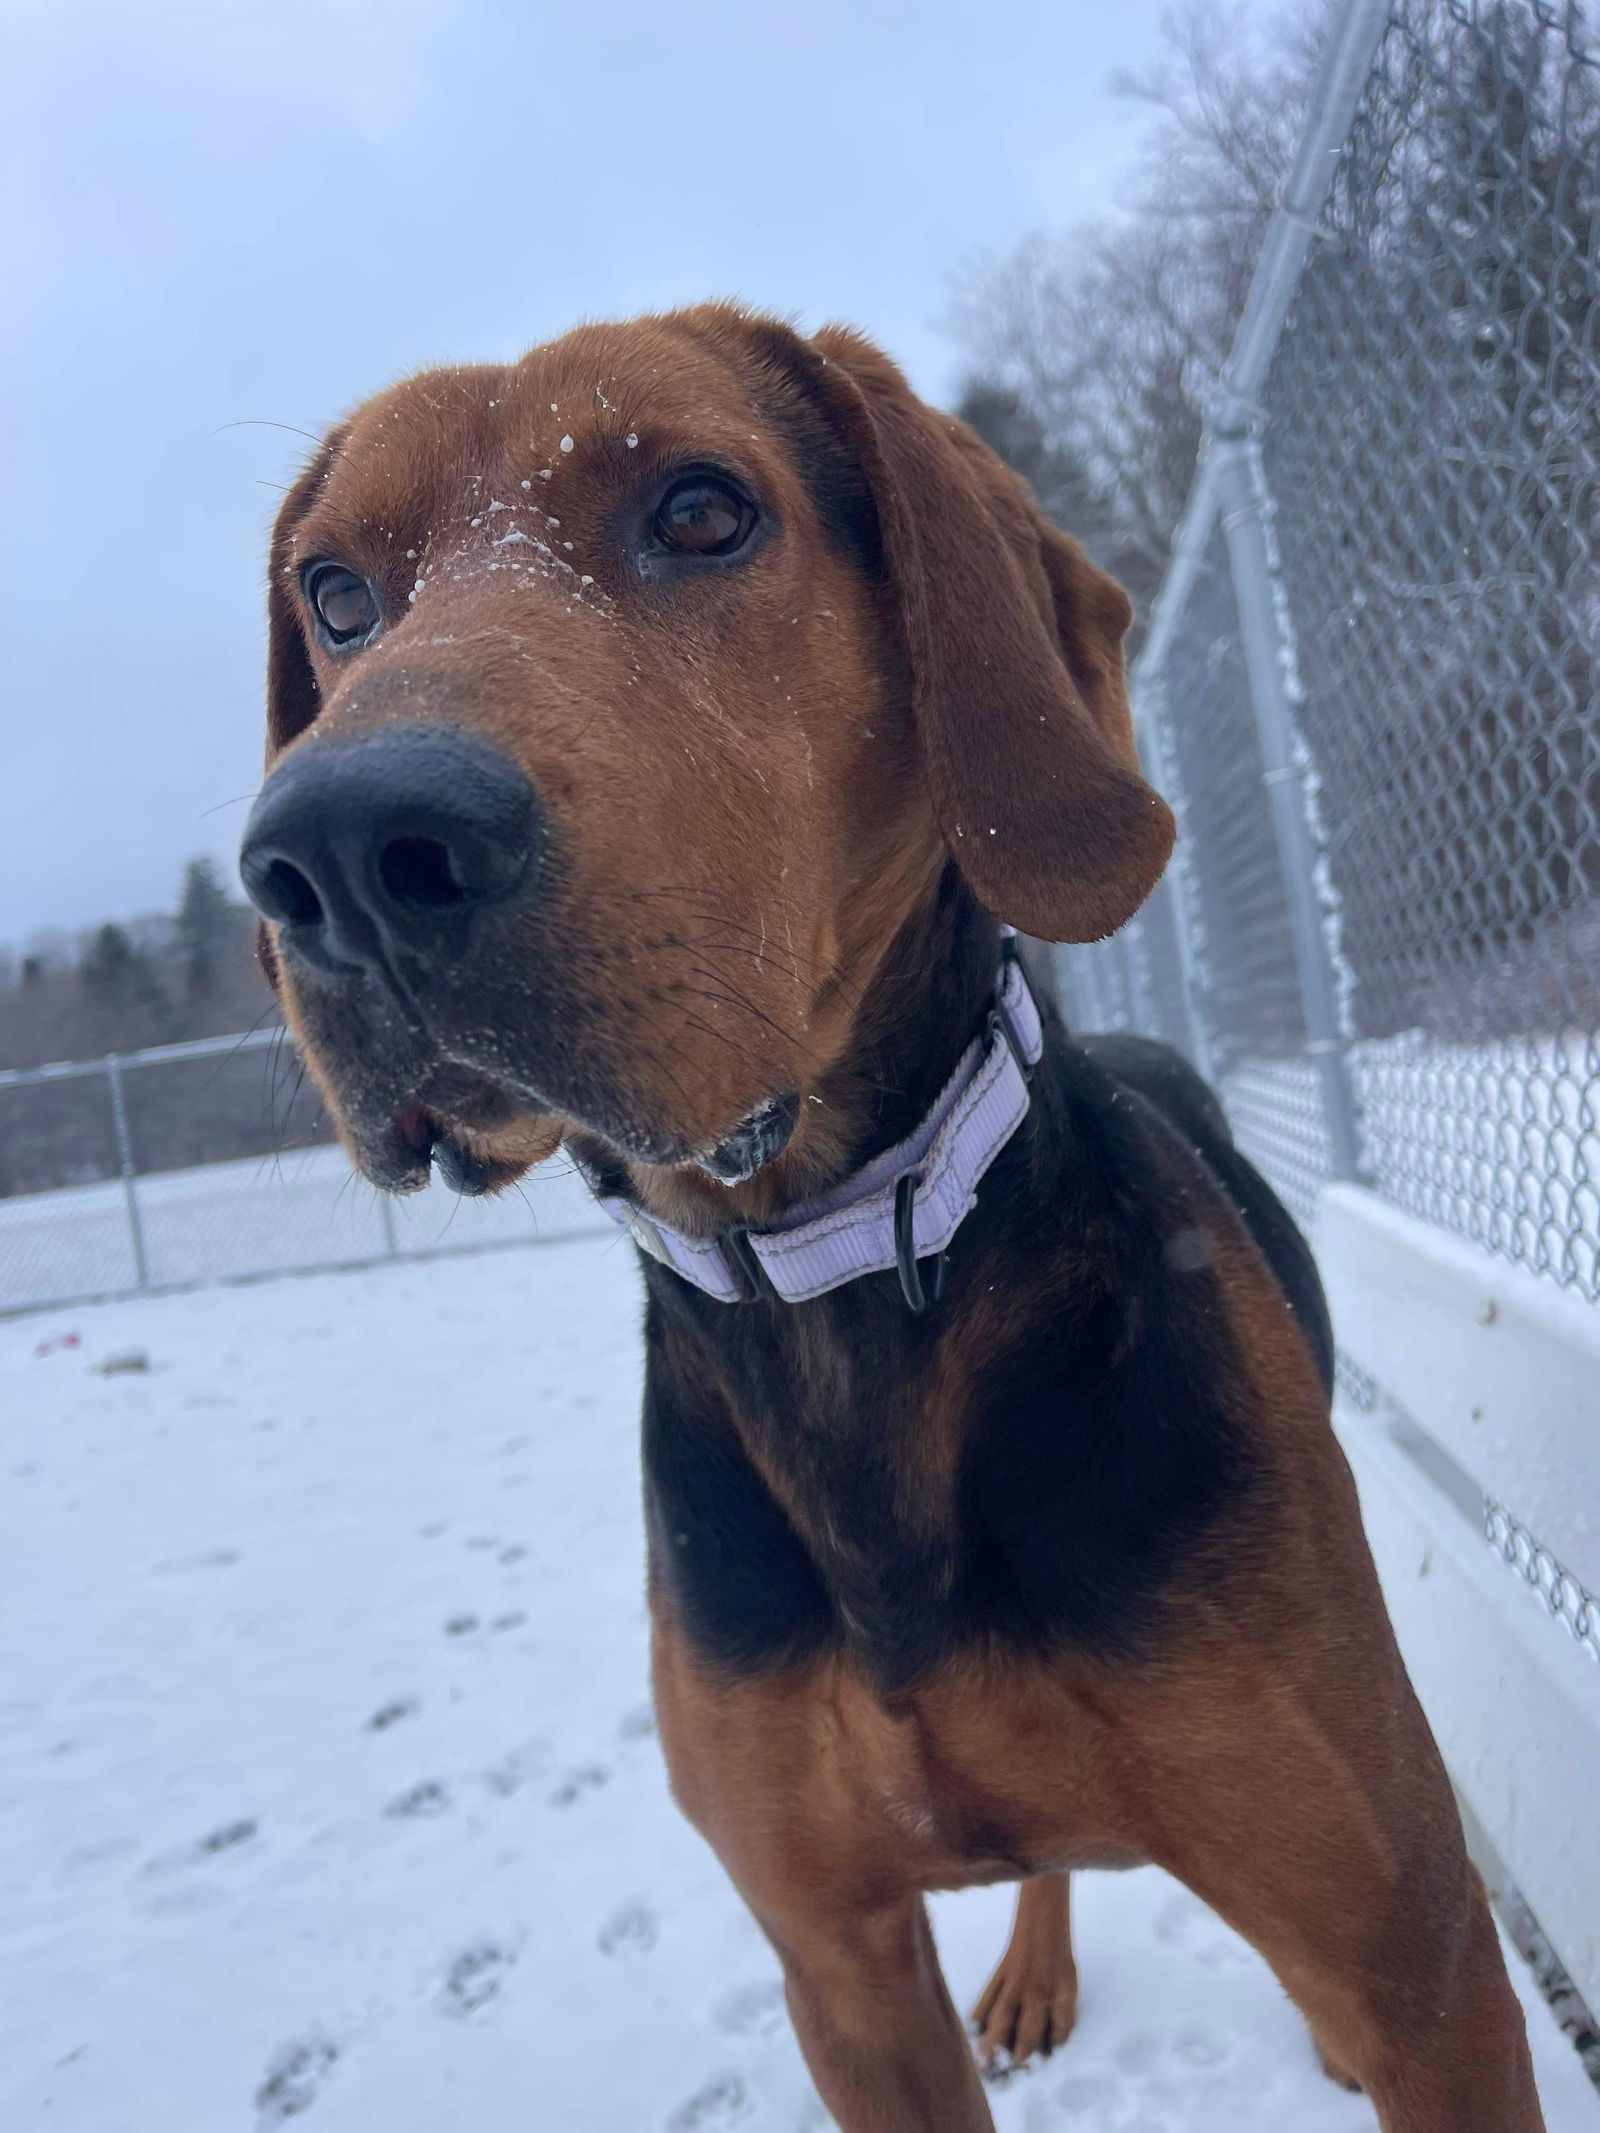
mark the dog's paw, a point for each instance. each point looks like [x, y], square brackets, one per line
[1024, 2011]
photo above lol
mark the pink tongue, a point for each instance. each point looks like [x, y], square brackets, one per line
[414, 1129]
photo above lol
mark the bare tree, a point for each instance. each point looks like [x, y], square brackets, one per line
[1110, 336]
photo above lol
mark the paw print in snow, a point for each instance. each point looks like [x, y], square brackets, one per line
[632, 1929]
[522, 1763]
[752, 2011]
[428, 1798]
[294, 2077]
[572, 1787]
[722, 2102]
[226, 1839]
[390, 1714]
[1156, 2084]
[474, 1978]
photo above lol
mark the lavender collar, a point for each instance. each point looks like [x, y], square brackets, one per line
[901, 1209]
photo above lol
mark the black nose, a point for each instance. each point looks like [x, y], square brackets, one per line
[380, 851]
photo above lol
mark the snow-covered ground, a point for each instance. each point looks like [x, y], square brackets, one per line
[330, 1785]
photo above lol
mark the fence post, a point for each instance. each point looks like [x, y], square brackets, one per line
[1242, 493]
[130, 1188]
[1149, 712]
[1136, 970]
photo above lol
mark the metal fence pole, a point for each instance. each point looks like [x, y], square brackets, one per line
[1149, 712]
[130, 1188]
[1242, 493]
[1136, 962]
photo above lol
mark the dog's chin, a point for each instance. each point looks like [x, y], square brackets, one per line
[399, 1151]
[482, 1134]
[474, 1164]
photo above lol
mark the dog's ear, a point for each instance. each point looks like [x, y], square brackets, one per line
[1014, 640]
[293, 699]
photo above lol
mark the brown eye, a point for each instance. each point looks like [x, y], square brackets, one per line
[343, 603]
[700, 516]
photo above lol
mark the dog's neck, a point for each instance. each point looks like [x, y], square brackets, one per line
[852, 1408]
[919, 1010]
[922, 1009]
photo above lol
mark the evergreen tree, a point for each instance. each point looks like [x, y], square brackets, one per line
[204, 924]
[108, 961]
[119, 979]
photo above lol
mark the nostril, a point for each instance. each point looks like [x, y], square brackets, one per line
[419, 871]
[285, 894]
[366, 848]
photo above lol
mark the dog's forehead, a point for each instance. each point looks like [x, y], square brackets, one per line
[562, 418]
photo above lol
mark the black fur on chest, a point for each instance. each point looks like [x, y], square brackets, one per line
[1079, 1373]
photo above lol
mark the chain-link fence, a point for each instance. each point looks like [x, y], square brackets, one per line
[1370, 691]
[146, 1187]
[1419, 454]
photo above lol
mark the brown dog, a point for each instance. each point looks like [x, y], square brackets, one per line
[660, 726]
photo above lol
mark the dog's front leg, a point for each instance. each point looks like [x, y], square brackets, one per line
[1321, 1825]
[786, 1776]
[876, 2023]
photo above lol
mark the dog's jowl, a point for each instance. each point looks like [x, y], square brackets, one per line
[666, 733]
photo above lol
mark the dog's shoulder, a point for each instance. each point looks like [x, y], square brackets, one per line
[1165, 1079]
[1107, 1444]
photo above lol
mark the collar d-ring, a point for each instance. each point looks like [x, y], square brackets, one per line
[920, 1291]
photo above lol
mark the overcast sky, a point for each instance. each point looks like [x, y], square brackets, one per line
[244, 211]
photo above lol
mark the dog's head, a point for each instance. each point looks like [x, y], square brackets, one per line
[624, 701]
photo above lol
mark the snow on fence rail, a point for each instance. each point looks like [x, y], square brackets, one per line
[1371, 690]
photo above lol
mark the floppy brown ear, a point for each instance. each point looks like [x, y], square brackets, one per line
[1015, 646]
[293, 699]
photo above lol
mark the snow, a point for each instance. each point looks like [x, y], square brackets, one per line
[330, 1783]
